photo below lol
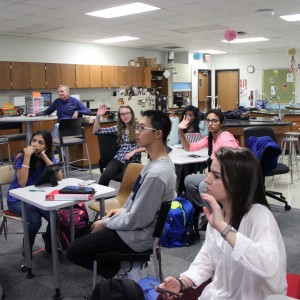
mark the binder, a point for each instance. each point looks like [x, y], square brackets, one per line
[56, 195]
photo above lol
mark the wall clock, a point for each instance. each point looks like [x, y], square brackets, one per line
[250, 69]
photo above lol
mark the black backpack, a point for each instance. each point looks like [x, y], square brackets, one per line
[117, 289]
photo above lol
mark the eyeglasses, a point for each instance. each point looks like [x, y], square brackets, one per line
[212, 121]
[125, 114]
[139, 128]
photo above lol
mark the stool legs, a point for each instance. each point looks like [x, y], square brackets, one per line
[292, 156]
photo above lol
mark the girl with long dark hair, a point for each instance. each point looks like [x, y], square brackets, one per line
[29, 164]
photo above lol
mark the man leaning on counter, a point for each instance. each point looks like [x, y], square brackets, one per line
[67, 107]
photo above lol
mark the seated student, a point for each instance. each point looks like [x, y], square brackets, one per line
[216, 138]
[192, 134]
[243, 253]
[67, 107]
[29, 164]
[128, 149]
[130, 229]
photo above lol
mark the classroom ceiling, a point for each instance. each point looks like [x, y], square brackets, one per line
[179, 26]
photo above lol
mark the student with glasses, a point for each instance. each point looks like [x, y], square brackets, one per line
[125, 132]
[216, 139]
[130, 229]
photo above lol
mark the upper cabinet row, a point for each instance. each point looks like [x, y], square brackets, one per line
[23, 75]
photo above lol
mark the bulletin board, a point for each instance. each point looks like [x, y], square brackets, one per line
[280, 83]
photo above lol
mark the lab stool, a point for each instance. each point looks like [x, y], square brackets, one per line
[295, 135]
[293, 143]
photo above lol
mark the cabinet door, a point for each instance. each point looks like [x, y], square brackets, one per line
[19, 75]
[53, 76]
[68, 75]
[5, 75]
[134, 76]
[112, 76]
[37, 75]
[147, 74]
[140, 77]
[83, 76]
[95, 76]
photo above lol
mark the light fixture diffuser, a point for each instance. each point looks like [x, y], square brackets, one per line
[123, 10]
[247, 40]
[116, 39]
[291, 18]
[214, 52]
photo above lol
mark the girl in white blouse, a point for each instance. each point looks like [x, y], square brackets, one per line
[243, 253]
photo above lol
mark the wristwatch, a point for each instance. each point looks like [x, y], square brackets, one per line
[227, 229]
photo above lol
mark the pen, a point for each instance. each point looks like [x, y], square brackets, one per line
[36, 190]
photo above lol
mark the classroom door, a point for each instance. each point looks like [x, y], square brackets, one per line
[204, 87]
[227, 89]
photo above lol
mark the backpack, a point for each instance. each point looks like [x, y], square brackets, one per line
[147, 284]
[179, 225]
[81, 220]
[117, 289]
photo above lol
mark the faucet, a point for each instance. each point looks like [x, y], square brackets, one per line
[278, 98]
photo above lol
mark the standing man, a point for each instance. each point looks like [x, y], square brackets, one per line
[130, 229]
[67, 108]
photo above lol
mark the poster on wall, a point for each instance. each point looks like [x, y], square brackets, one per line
[289, 77]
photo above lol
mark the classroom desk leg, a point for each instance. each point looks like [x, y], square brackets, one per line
[57, 295]
[26, 241]
[72, 229]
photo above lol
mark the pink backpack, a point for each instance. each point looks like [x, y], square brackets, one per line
[81, 220]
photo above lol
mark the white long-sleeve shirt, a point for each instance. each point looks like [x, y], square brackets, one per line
[254, 269]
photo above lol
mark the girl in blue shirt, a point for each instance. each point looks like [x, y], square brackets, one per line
[29, 164]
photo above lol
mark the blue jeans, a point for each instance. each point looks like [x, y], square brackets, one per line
[34, 216]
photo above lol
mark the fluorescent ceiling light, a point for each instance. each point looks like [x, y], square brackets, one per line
[212, 52]
[247, 40]
[123, 10]
[116, 39]
[291, 18]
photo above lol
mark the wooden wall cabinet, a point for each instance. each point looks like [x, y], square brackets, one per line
[5, 81]
[53, 75]
[88, 76]
[28, 75]
[112, 76]
[134, 76]
[147, 72]
[68, 75]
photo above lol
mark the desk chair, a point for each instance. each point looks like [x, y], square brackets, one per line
[6, 177]
[108, 148]
[6, 139]
[130, 176]
[155, 252]
[70, 133]
[261, 131]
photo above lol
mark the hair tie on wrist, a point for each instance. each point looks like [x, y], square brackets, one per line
[25, 166]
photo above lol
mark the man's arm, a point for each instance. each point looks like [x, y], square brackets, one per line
[81, 109]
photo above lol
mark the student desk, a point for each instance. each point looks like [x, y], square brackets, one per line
[181, 157]
[38, 199]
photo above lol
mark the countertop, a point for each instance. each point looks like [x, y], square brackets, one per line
[274, 112]
[259, 121]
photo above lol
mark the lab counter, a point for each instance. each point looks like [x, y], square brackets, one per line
[236, 127]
